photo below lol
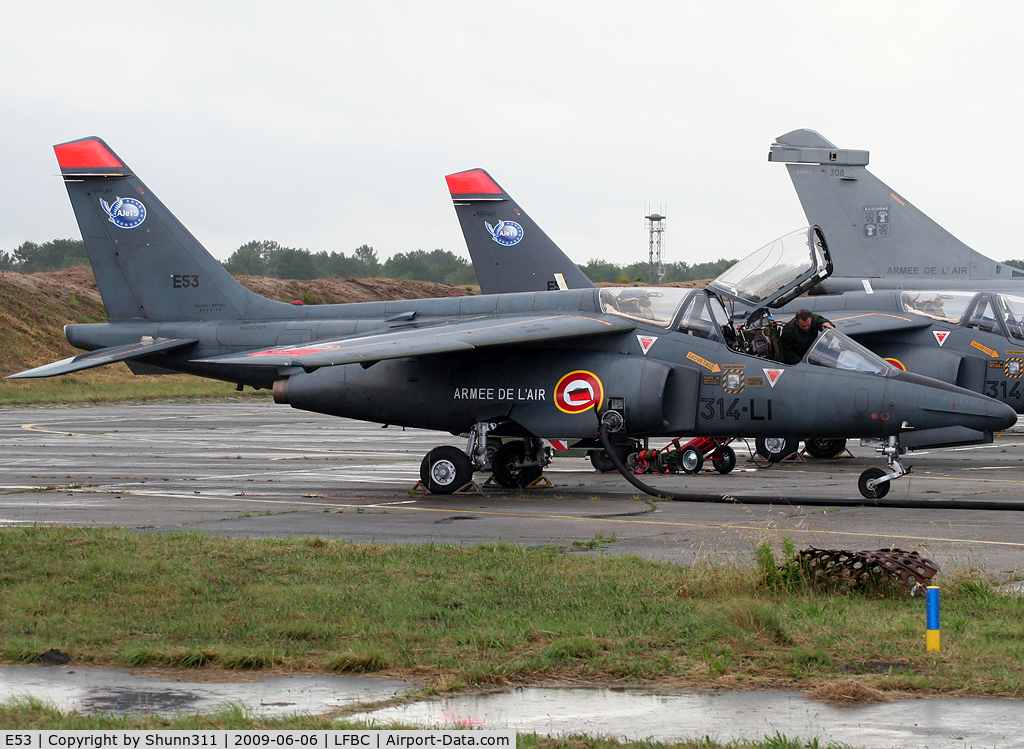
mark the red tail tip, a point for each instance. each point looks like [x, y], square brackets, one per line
[85, 154]
[473, 182]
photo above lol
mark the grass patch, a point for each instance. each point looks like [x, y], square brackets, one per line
[482, 615]
[115, 383]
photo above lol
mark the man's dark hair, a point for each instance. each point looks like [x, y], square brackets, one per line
[804, 314]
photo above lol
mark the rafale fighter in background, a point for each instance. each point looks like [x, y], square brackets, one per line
[879, 239]
[902, 285]
[640, 362]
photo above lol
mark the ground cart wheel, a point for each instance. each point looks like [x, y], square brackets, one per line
[691, 460]
[727, 461]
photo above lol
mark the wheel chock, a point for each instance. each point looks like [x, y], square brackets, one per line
[421, 490]
[541, 482]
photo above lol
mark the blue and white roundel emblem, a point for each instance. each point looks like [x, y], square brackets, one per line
[125, 213]
[506, 233]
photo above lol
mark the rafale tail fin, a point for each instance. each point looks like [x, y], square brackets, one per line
[510, 252]
[875, 234]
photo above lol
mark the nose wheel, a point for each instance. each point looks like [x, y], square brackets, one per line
[874, 483]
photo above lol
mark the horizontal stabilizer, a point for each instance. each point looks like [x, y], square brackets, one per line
[102, 356]
[445, 338]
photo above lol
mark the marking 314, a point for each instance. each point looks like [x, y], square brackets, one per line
[992, 391]
[184, 281]
[730, 408]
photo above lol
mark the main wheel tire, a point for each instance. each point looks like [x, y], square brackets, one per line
[774, 449]
[691, 460]
[507, 469]
[822, 448]
[727, 462]
[879, 491]
[602, 461]
[448, 470]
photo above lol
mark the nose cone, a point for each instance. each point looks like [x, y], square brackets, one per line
[940, 404]
[976, 412]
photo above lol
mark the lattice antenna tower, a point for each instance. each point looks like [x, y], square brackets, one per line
[655, 231]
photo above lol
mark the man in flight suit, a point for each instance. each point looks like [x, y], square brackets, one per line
[799, 333]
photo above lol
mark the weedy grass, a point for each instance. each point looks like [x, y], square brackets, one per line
[114, 383]
[456, 617]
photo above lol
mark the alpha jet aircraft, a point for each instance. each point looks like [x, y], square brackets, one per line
[648, 362]
[967, 338]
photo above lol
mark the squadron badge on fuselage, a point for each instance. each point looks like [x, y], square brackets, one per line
[506, 233]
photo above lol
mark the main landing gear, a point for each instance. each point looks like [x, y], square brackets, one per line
[874, 482]
[514, 465]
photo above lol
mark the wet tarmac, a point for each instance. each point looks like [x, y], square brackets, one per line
[626, 713]
[725, 716]
[249, 468]
[130, 692]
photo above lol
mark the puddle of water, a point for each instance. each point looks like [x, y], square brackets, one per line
[624, 713]
[96, 690]
[634, 714]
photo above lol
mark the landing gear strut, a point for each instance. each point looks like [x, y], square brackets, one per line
[518, 464]
[874, 482]
[514, 465]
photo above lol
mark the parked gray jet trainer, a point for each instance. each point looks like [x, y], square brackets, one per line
[879, 239]
[642, 362]
[970, 339]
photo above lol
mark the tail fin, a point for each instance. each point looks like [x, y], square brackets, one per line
[874, 232]
[510, 252]
[147, 265]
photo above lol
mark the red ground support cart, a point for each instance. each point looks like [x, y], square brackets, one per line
[689, 458]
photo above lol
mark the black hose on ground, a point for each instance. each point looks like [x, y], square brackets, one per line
[907, 504]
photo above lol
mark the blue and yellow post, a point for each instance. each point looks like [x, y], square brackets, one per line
[932, 619]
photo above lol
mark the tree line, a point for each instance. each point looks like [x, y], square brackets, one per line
[269, 258]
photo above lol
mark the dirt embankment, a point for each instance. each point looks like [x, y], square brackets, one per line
[34, 308]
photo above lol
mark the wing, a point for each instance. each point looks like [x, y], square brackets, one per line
[458, 335]
[102, 356]
[856, 324]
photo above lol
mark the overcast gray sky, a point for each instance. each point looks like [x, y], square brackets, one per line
[328, 125]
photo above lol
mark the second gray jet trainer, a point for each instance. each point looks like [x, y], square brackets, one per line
[632, 362]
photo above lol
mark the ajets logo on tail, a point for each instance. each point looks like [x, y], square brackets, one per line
[506, 233]
[125, 213]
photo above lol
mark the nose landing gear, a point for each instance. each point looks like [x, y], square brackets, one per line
[874, 482]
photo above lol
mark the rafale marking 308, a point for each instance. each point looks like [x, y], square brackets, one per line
[646, 362]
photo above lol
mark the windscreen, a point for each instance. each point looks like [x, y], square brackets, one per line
[836, 351]
[947, 306]
[652, 306]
